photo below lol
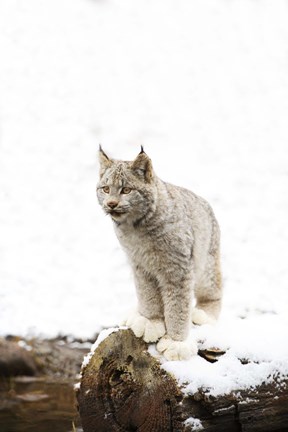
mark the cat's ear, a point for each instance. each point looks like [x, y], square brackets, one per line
[142, 166]
[104, 161]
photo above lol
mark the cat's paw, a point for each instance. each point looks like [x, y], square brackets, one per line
[200, 317]
[151, 330]
[176, 350]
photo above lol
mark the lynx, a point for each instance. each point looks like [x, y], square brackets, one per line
[171, 238]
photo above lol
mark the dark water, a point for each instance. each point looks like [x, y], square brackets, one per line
[38, 405]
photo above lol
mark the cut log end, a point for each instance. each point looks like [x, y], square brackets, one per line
[123, 388]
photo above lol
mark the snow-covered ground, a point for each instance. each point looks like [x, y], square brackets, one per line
[203, 85]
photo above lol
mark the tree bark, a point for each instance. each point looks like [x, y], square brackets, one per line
[123, 388]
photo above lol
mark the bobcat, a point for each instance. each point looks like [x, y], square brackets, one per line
[171, 238]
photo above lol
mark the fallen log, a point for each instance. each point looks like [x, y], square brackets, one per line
[124, 388]
[15, 360]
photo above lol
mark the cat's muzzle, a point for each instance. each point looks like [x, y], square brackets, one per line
[115, 213]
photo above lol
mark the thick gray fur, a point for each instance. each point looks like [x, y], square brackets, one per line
[171, 237]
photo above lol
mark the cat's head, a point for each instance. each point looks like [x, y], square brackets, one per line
[126, 189]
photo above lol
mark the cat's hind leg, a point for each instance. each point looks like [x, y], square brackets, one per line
[208, 293]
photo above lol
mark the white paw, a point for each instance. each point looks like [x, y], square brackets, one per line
[200, 317]
[129, 314]
[176, 350]
[150, 330]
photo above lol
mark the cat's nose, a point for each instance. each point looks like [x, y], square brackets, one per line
[112, 204]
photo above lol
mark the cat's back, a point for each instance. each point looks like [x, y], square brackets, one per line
[186, 204]
[192, 217]
[195, 224]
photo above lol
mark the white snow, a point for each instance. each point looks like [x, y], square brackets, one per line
[203, 86]
[256, 352]
[194, 423]
[77, 386]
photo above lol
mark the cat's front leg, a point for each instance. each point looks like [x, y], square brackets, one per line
[177, 299]
[148, 320]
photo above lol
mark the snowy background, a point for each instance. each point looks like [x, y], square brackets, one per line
[203, 85]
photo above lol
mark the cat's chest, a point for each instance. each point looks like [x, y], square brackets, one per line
[140, 247]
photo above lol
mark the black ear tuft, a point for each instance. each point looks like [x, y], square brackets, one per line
[104, 161]
[103, 153]
[142, 150]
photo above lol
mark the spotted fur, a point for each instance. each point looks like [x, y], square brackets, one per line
[172, 240]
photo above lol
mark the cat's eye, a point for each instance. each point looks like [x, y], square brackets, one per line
[126, 190]
[106, 189]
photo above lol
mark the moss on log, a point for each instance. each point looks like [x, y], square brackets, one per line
[123, 388]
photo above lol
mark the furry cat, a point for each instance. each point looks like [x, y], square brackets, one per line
[171, 238]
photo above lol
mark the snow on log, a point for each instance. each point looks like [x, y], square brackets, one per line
[124, 388]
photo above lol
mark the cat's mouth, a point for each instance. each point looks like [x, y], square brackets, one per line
[116, 213]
